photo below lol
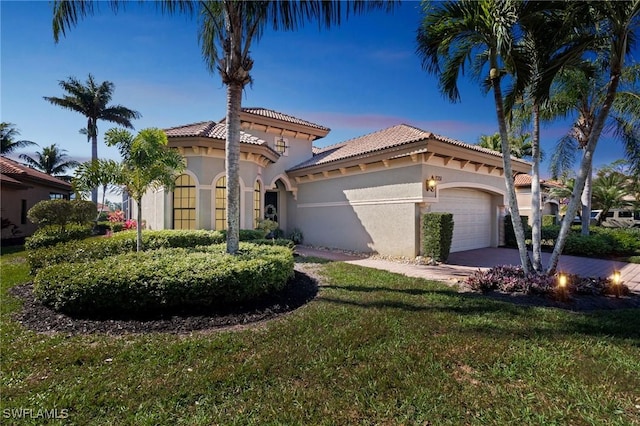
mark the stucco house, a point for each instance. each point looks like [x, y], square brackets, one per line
[365, 194]
[22, 188]
[548, 206]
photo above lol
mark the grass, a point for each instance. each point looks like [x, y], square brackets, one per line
[372, 348]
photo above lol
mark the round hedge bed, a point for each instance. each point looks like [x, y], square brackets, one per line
[164, 279]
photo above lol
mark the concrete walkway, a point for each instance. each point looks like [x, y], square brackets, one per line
[462, 264]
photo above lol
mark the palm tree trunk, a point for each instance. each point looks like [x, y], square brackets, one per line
[94, 157]
[232, 160]
[585, 169]
[139, 226]
[586, 203]
[536, 219]
[508, 177]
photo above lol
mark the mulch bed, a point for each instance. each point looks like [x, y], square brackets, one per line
[35, 316]
[300, 290]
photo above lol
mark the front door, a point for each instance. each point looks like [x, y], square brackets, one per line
[271, 205]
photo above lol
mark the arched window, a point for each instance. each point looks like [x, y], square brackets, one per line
[184, 203]
[256, 203]
[221, 203]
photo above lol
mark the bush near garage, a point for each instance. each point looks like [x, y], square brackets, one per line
[437, 234]
[163, 279]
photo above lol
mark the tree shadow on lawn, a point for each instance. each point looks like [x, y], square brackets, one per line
[35, 316]
[589, 315]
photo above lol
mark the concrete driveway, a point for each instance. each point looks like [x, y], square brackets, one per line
[464, 263]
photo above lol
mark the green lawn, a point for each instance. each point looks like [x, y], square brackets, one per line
[372, 348]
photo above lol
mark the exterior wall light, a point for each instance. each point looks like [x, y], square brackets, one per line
[432, 182]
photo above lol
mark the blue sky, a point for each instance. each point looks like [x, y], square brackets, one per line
[355, 79]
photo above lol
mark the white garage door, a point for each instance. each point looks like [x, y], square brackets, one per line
[472, 217]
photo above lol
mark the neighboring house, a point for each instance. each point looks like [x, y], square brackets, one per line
[366, 194]
[22, 188]
[548, 205]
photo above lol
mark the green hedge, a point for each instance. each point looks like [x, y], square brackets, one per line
[164, 279]
[123, 242]
[437, 234]
[52, 235]
[602, 242]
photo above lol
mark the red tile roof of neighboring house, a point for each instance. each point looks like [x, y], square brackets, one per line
[209, 129]
[524, 179]
[391, 137]
[269, 113]
[16, 171]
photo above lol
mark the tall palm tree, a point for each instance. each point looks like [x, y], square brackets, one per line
[52, 160]
[481, 34]
[8, 133]
[580, 93]
[618, 26]
[92, 100]
[228, 29]
[547, 52]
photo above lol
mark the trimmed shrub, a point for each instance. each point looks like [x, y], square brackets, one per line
[587, 245]
[62, 212]
[52, 235]
[548, 220]
[164, 279]
[82, 212]
[123, 242]
[509, 234]
[296, 236]
[437, 234]
[624, 241]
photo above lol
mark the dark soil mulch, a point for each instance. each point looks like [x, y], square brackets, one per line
[299, 291]
[575, 303]
[35, 316]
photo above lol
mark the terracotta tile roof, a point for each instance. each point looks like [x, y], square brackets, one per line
[524, 179]
[466, 145]
[16, 171]
[264, 112]
[209, 129]
[398, 135]
[391, 137]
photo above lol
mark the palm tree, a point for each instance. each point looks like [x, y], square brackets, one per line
[618, 24]
[52, 160]
[520, 145]
[547, 53]
[609, 192]
[99, 173]
[228, 29]
[148, 163]
[580, 93]
[8, 133]
[92, 100]
[479, 34]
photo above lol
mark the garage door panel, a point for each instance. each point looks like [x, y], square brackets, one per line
[472, 217]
